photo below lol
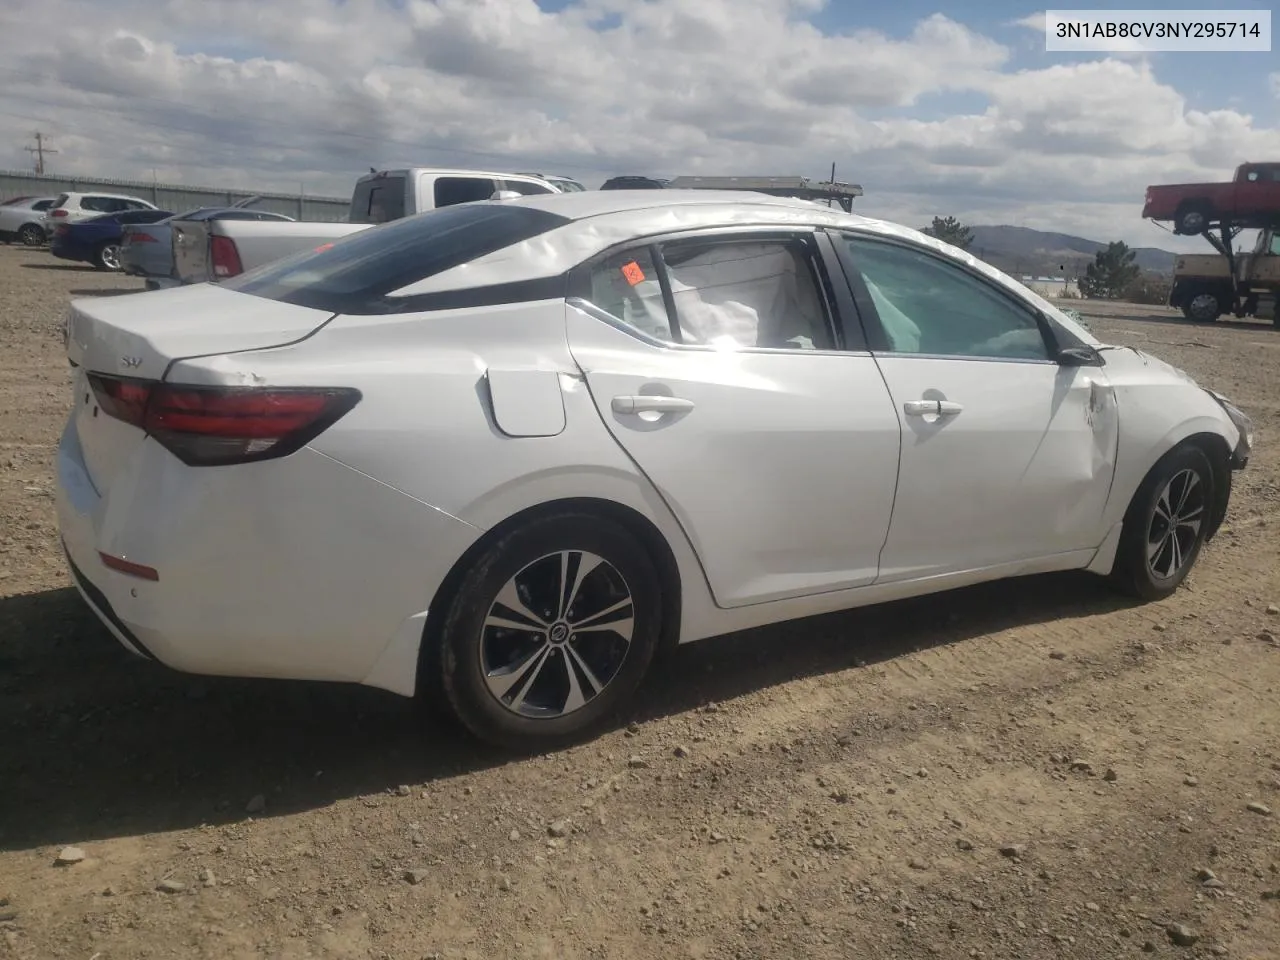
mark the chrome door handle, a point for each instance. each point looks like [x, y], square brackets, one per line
[651, 402]
[940, 408]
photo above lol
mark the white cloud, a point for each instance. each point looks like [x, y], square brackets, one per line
[1032, 21]
[270, 95]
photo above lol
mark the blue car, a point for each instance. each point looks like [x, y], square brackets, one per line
[97, 240]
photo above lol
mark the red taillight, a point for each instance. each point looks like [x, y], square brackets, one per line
[60, 230]
[225, 257]
[134, 236]
[57, 214]
[212, 426]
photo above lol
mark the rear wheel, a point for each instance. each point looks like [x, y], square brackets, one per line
[549, 633]
[107, 256]
[31, 235]
[1165, 525]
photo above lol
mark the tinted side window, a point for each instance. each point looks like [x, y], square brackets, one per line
[355, 274]
[747, 293]
[928, 306]
[42, 205]
[626, 286]
[97, 204]
[451, 190]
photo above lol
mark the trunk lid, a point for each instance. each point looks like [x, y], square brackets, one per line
[140, 335]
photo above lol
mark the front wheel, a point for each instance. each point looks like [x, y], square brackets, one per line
[1165, 526]
[550, 632]
[1202, 308]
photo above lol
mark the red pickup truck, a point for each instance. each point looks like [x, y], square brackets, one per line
[1251, 200]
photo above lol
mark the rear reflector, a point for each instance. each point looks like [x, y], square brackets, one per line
[129, 567]
[213, 426]
[225, 257]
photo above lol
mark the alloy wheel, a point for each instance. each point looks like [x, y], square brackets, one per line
[31, 235]
[110, 256]
[556, 634]
[1175, 524]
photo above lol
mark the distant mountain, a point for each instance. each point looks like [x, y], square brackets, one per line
[1020, 250]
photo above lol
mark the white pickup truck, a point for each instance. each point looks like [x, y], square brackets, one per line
[217, 249]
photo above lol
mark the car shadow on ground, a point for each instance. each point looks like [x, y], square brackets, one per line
[95, 743]
[73, 265]
[103, 292]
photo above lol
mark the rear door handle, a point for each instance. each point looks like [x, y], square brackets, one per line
[940, 408]
[649, 402]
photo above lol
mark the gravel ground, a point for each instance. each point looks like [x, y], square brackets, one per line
[1026, 770]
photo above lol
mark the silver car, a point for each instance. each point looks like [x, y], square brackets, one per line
[22, 219]
[146, 249]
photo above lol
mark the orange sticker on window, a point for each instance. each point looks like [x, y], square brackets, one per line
[633, 273]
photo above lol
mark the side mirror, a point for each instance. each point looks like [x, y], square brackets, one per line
[505, 195]
[1082, 356]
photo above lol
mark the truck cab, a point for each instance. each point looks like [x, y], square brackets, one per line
[385, 195]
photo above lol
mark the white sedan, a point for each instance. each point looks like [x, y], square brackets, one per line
[497, 454]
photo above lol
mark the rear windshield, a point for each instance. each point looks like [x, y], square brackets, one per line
[378, 200]
[61, 199]
[355, 274]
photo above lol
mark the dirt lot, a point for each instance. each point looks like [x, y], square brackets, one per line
[1034, 769]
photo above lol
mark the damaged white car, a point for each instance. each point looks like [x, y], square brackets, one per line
[495, 455]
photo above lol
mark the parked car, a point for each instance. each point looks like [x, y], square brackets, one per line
[72, 207]
[635, 183]
[1250, 200]
[22, 219]
[497, 454]
[146, 250]
[97, 239]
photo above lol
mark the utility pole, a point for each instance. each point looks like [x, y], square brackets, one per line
[40, 150]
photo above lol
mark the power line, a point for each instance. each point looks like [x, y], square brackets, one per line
[39, 150]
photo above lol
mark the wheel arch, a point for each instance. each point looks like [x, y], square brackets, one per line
[633, 521]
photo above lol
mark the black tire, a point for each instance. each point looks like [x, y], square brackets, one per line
[1202, 307]
[1192, 219]
[31, 235]
[1154, 579]
[107, 256]
[531, 552]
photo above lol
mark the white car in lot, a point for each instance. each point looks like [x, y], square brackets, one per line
[497, 454]
[74, 207]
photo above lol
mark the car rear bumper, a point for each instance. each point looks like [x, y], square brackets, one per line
[297, 569]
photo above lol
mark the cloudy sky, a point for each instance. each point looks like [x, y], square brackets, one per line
[934, 108]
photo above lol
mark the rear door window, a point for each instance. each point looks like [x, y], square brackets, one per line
[526, 189]
[451, 190]
[42, 205]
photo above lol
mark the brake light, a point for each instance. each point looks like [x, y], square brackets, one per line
[207, 426]
[57, 214]
[225, 257]
[135, 237]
